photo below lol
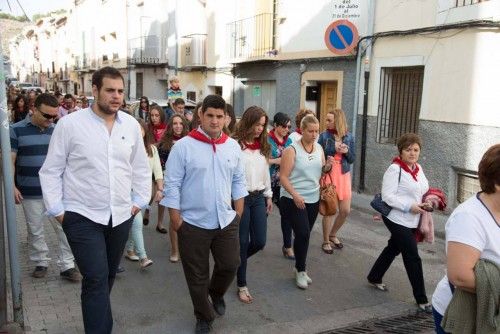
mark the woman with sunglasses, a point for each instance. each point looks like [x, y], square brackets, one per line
[279, 140]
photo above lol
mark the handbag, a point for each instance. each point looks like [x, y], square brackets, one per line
[328, 200]
[379, 205]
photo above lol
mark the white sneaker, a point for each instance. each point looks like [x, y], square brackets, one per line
[131, 256]
[309, 280]
[301, 279]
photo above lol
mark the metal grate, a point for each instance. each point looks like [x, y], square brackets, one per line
[400, 98]
[461, 3]
[418, 322]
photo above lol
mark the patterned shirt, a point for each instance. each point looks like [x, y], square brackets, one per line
[30, 143]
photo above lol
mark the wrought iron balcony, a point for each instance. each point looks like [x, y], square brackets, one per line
[252, 37]
[147, 50]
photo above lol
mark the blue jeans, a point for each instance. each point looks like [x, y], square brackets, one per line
[437, 321]
[253, 230]
[97, 249]
[302, 222]
[136, 238]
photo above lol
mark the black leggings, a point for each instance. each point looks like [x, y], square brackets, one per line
[302, 222]
[402, 241]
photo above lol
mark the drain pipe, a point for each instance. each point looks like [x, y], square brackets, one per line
[357, 105]
[10, 208]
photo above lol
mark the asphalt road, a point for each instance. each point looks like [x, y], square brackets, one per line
[156, 300]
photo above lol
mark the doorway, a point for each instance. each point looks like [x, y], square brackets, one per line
[328, 101]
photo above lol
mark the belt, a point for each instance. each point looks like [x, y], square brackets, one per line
[255, 192]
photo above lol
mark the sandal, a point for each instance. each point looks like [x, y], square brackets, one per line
[379, 286]
[286, 254]
[244, 296]
[161, 230]
[337, 244]
[174, 258]
[327, 248]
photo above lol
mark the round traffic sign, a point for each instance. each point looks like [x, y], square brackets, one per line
[341, 37]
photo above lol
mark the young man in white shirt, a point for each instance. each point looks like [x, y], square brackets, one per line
[95, 178]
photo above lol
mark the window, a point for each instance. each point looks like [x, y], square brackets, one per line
[399, 102]
[467, 186]
[191, 96]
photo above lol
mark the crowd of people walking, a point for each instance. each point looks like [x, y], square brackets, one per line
[219, 179]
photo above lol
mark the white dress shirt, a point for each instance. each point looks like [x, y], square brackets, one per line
[257, 172]
[93, 172]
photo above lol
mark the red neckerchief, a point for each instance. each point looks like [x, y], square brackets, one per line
[299, 131]
[272, 135]
[201, 137]
[158, 131]
[176, 137]
[404, 166]
[333, 132]
[253, 146]
[161, 126]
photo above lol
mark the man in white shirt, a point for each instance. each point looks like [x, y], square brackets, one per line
[95, 178]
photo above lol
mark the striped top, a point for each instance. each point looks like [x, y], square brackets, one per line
[30, 144]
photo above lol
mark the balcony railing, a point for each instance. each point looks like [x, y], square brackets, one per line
[251, 37]
[462, 3]
[148, 50]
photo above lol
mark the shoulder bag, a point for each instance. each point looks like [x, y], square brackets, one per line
[328, 201]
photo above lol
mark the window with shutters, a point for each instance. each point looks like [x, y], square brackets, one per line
[400, 98]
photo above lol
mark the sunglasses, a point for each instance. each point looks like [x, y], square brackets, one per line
[286, 126]
[47, 116]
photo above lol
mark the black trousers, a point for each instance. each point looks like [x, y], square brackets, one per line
[195, 245]
[402, 241]
[97, 249]
[302, 222]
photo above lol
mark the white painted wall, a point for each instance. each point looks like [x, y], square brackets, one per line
[460, 78]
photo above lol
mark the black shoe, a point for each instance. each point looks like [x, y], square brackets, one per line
[120, 269]
[203, 326]
[39, 272]
[427, 308]
[219, 305]
[71, 274]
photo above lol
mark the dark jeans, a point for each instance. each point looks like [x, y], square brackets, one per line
[286, 228]
[437, 322]
[97, 249]
[302, 222]
[253, 230]
[195, 245]
[402, 241]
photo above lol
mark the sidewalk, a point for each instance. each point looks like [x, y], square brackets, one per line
[157, 301]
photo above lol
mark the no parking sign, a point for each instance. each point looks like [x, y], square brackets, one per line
[341, 37]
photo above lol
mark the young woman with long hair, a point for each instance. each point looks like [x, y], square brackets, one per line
[339, 148]
[176, 129]
[157, 128]
[144, 108]
[251, 134]
[157, 122]
[135, 244]
[20, 109]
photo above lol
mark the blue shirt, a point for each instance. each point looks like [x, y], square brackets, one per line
[200, 182]
[30, 143]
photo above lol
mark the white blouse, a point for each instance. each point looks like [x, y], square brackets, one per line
[256, 172]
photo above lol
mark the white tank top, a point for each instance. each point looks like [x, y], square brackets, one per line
[306, 172]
